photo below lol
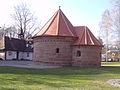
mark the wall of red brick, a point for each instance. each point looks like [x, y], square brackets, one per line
[90, 56]
[45, 51]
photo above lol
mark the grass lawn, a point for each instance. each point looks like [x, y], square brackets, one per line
[66, 78]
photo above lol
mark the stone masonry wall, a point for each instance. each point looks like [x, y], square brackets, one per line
[89, 56]
[45, 51]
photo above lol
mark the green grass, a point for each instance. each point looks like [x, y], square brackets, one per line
[66, 78]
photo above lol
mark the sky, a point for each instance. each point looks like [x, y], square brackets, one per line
[79, 12]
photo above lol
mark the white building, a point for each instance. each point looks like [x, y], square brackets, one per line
[15, 49]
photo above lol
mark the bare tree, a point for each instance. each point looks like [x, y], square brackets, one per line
[24, 20]
[105, 27]
[116, 21]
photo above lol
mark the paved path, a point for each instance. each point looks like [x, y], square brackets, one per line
[24, 64]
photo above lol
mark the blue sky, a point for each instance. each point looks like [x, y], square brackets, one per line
[79, 12]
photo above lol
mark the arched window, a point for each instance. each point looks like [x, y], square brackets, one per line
[57, 50]
[78, 54]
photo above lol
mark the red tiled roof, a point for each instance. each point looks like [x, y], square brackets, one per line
[58, 25]
[85, 37]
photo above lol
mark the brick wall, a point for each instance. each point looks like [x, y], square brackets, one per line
[90, 56]
[45, 51]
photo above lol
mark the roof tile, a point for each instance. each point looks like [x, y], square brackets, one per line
[58, 25]
[85, 37]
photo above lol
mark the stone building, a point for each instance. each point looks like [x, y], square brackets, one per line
[59, 43]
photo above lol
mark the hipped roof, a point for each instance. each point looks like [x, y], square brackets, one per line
[59, 25]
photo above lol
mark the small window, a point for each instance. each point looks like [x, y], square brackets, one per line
[78, 54]
[28, 54]
[57, 50]
[9, 53]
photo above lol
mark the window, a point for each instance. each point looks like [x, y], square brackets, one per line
[28, 54]
[9, 53]
[78, 54]
[57, 50]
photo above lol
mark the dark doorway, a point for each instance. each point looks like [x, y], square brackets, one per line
[17, 57]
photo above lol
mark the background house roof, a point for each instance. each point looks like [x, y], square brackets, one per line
[14, 44]
[58, 25]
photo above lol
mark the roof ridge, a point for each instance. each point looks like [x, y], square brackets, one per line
[90, 37]
[82, 35]
[94, 38]
[57, 31]
[67, 24]
[50, 23]
[46, 23]
[85, 35]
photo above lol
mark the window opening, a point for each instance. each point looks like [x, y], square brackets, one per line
[78, 54]
[9, 53]
[57, 50]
